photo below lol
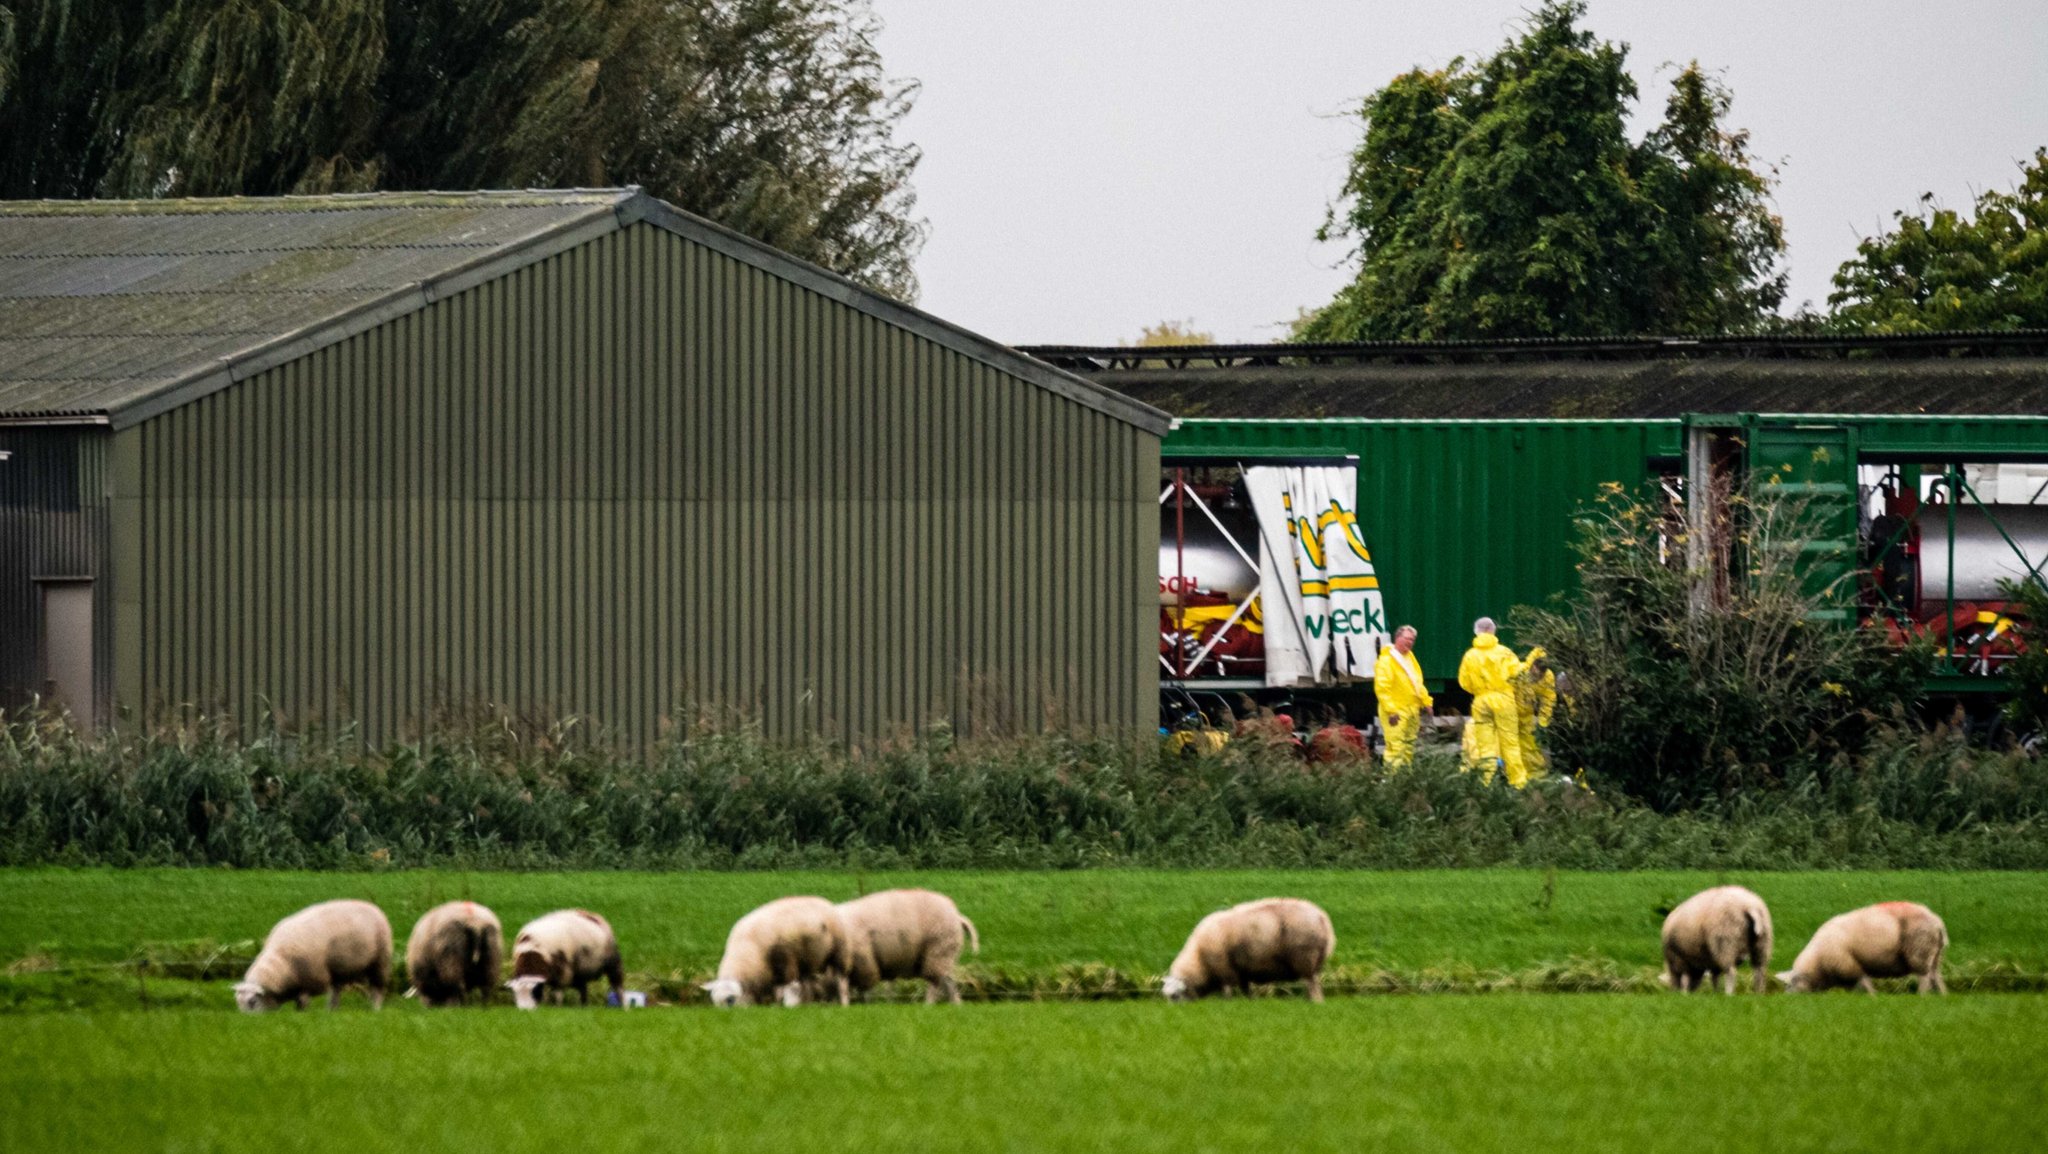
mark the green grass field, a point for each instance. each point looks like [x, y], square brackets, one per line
[672, 926]
[1506, 1073]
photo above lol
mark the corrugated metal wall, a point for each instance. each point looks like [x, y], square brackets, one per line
[641, 475]
[53, 523]
[1463, 518]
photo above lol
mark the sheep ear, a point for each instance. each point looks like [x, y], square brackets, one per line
[1786, 977]
[705, 986]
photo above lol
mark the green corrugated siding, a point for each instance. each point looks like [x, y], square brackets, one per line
[641, 476]
[1463, 518]
[54, 491]
[1928, 438]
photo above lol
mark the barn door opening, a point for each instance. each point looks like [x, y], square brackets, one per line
[67, 647]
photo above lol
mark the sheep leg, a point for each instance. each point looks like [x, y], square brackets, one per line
[1728, 982]
[1940, 983]
[1315, 988]
[305, 1000]
[334, 998]
[845, 993]
[583, 993]
[944, 985]
[376, 998]
[1866, 985]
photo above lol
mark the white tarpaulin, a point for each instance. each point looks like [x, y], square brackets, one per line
[1323, 614]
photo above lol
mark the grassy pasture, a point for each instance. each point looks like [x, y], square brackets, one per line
[1514, 1072]
[1466, 924]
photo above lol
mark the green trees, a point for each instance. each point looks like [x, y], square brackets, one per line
[1503, 198]
[1940, 271]
[772, 117]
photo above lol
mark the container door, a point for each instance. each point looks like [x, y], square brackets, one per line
[1810, 470]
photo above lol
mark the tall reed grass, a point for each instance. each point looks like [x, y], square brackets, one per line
[497, 795]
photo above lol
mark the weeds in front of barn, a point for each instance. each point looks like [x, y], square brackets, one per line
[501, 795]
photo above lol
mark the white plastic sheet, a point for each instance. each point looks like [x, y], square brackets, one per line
[1324, 616]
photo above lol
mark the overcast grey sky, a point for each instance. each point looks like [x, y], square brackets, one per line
[1094, 166]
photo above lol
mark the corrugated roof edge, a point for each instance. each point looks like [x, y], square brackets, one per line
[601, 218]
[835, 287]
[610, 210]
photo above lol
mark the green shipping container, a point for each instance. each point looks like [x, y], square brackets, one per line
[1464, 518]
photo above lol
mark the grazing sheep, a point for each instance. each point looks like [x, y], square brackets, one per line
[1887, 940]
[906, 934]
[1710, 933]
[777, 948]
[561, 950]
[319, 950]
[455, 948]
[1272, 940]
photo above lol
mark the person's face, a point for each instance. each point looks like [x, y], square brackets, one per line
[1404, 640]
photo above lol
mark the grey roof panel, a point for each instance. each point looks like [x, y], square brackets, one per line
[105, 304]
[122, 309]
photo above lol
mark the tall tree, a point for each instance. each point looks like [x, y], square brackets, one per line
[1503, 198]
[772, 117]
[1168, 333]
[1938, 270]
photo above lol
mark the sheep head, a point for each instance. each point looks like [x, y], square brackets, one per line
[253, 998]
[526, 990]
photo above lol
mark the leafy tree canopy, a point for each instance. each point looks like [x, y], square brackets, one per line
[1940, 271]
[772, 117]
[1171, 332]
[1504, 198]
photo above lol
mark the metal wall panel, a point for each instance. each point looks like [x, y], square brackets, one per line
[54, 489]
[638, 477]
[1463, 518]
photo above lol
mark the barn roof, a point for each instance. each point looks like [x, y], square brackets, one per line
[114, 311]
[1940, 373]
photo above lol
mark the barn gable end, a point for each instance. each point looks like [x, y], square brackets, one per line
[650, 469]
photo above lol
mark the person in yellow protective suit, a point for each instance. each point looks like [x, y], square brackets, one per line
[1535, 701]
[1488, 673]
[1397, 682]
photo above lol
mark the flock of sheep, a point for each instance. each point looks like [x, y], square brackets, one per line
[801, 949]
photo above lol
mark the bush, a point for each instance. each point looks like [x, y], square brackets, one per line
[494, 795]
[1678, 704]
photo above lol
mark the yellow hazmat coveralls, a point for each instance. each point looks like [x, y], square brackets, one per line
[1488, 673]
[1535, 701]
[1397, 682]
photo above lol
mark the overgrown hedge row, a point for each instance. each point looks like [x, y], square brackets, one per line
[496, 797]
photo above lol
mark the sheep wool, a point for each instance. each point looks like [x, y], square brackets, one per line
[1887, 940]
[1708, 934]
[455, 948]
[906, 934]
[319, 950]
[561, 951]
[1271, 940]
[775, 950]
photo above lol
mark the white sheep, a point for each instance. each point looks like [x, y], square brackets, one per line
[455, 948]
[560, 951]
[319, 950]
[777, 948]
[1271, 940]
[906, 934]
[1713, 931]
[1887, 940]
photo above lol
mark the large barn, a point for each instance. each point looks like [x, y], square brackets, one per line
[364, 457]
